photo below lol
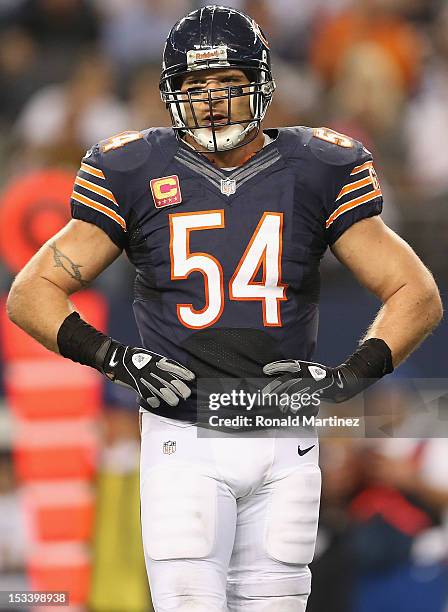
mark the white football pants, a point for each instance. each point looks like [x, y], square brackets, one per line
[229, 523]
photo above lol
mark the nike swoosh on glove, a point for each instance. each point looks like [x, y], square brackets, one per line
[152, 376]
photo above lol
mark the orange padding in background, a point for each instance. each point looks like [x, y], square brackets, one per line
[63, 448]
[56, 462]
[59, 510]
[34, 206]
[61, 567]
[55, 404]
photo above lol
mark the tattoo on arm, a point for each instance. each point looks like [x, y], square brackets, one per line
[64, 262]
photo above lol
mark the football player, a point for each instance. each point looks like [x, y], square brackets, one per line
[226, 224]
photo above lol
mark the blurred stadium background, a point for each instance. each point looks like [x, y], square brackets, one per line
[73, 72]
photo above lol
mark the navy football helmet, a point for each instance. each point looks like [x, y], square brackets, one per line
[216, 37]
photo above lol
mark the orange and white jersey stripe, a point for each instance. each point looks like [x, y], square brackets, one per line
[91, 190]
[362, 187]
[88, 169]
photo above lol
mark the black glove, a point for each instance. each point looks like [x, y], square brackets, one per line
[153, 376]
[371, 361]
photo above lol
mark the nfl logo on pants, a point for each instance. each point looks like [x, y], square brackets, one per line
[169, 447]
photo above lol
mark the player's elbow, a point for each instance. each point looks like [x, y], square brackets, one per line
[436, 308]
[19, 299]
[430, 304]
[13, 302]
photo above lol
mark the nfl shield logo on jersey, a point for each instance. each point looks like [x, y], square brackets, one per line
[228, 186]
[169, 447]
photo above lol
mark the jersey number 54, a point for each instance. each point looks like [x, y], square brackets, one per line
[264, 251]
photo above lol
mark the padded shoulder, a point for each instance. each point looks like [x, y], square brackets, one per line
[334, 148]
[121, 153]
[130, 150]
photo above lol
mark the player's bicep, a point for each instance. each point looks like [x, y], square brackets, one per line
[72, 258]
[380, 260]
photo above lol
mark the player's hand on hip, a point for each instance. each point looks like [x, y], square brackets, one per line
[153, 377]
[370, 362]
[295, 377]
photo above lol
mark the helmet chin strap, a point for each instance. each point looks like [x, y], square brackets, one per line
[226, 139]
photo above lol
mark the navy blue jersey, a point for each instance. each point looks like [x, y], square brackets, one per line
[227, 262]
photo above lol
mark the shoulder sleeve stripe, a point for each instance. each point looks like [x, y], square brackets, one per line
[106, 193]
[354, 186]
[106, 211]
[91, 170]
[353, 204]
[362, 167]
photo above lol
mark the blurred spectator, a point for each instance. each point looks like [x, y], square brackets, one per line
[59, 22]
[144, 104]
[21, 71]
[294, 102]
[8, 10]
[61, 121]
[420, 11]
[376, 94]
[333, 572]
[373, 112]
[60, 28]
[295, 98]
[374, 21]
[398, 537]
[135, 32]
[287, 22]
[383, 535]
[426, 123]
